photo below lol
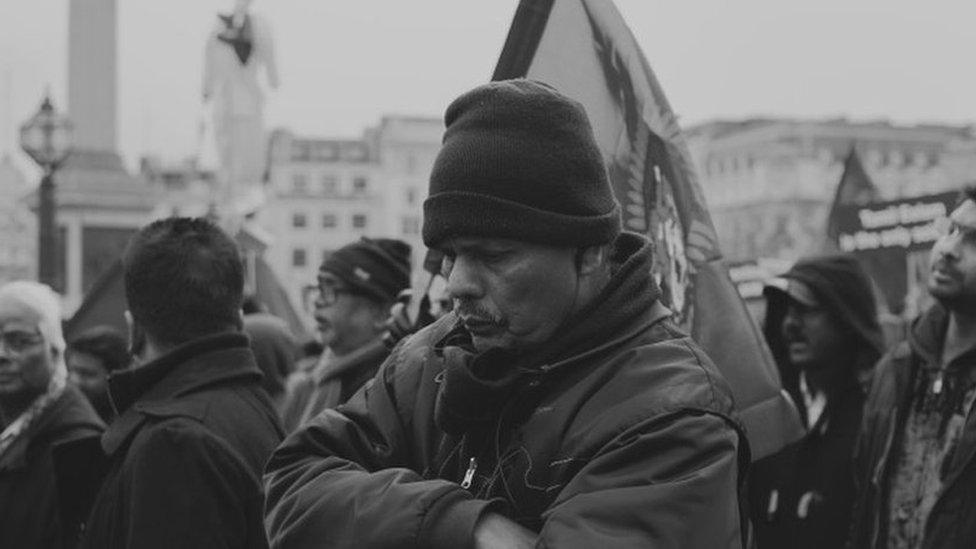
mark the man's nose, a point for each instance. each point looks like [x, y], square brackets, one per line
[947, 247]
[463, 281]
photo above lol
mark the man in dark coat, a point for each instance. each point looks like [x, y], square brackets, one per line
[821, 323]
[38, 410]
[357, 285]
[915, 462]
[556, 406]
[184, 457]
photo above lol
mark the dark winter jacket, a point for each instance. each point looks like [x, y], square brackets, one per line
[330, 383]
[29, 501]
[802, 496]
[951, 524]
[184, 458]
[618, 433]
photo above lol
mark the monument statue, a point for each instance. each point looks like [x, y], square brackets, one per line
[239, 49]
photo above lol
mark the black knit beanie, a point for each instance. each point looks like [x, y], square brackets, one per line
[519, 160]
[378, 267]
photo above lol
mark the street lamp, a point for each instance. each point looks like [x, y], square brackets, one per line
[46, 138]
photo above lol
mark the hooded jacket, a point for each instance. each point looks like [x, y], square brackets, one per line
[802, 496]
[619, 432]
[951, 523]
[29, 493]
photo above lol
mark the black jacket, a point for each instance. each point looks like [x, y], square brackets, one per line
[617, 433]
[184, 458]
[801, 497]
[29, 502]
[951, 524]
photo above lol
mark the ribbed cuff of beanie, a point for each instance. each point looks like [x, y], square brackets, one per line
[453, 214]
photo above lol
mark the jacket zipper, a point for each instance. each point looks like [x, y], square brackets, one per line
[469, 474]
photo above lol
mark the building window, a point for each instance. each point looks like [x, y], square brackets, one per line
[359, 221]
[299, 183]
[329, 221]
[410, 225]
[330, 185]
[299, 221]
[359, 184]
[298, 258]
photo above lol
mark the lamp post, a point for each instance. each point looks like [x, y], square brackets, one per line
[46, 138]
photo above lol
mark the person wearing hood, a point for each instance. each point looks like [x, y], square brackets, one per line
[556, 405]
[39, 410]
[822, 326]
[915, 460]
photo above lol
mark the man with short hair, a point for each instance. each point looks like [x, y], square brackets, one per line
[357, 285]
[38, 411]
[915, 463]
[556, 406]
[185, 456]
[92, 356]
[822, 326]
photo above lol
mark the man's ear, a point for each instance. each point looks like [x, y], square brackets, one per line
[590, 259]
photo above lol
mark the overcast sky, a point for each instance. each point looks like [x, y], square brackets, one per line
[345, 63]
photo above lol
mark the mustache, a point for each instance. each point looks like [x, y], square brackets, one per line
[469, 310]
[945, 266]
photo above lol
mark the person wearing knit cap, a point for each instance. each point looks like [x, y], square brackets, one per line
[556, 405]
[38, 411]
[822, 325]
[357, 285]
[915, 459]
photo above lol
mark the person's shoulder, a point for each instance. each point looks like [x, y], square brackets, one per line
[179, 439]
[72, 417]
[670, 369]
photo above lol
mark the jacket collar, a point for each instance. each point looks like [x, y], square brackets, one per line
[927, 336]
[154, 390]
[70, 410]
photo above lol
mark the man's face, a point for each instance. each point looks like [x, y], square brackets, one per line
[814, 338]
[952, 274]
[88, 373]
[346, 319]
[26, 359]
[511, 295]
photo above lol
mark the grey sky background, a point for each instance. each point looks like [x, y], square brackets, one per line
[343, 64]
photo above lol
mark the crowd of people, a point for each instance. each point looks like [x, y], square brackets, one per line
[556, 404]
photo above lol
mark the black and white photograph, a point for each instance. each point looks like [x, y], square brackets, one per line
[442, 274]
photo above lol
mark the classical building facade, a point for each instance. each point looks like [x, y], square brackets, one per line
[770, 182]
[324, 193]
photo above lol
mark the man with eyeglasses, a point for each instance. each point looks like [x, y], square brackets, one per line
[357, 285]
[914, 463]
[38, 410]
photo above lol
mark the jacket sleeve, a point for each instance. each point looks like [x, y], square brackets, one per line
[343, 480]
[667, 482]
[187, 489]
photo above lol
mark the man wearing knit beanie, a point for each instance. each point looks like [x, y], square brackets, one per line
[822, 326]
[357, 285]
[556, 405]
